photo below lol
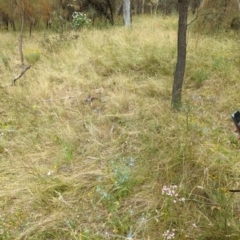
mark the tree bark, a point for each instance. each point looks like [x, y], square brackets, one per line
[143, 3]
[156, 7]
[111, 12]
[238, 2]
[181, 53]
[20, 75]
[127, 12]
[21, 6]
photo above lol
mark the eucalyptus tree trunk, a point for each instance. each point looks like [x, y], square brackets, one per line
[181, 53]
[238, 2]
[143, 3]
[156, 7]
[20, 4]
[127, 12]
[111, 12]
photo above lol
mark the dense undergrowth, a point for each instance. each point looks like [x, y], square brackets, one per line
[91, 149]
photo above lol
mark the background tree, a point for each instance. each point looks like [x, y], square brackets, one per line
[194, 5]
[7, 8]
[181, 53]
[127, 12]
[46, 8]
[238, 2]
[21, 6]
[217, 15]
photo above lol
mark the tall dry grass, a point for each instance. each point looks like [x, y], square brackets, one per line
[90, 148]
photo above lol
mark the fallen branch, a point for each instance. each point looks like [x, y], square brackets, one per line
[20, 75]
[234, 191]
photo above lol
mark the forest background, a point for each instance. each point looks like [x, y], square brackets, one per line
[90, 147]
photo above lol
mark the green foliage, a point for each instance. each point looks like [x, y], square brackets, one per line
[58, 24]
[80, 20]
[114, 191]
[32, 57]
[122, 182]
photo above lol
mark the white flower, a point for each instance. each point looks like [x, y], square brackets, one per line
[169, 234]
[50, 173]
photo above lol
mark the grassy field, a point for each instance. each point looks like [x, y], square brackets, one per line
[91, 149]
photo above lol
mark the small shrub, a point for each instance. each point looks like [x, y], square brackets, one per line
[80, 20]
[32, 57]
[122, 181]
[58, 23]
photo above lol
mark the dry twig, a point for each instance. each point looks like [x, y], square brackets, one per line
[20, 75]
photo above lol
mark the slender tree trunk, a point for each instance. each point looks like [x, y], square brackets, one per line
[127, 12]
[111, 12]
[238, 2]
[156, 7]
[143, 3]
[181, 53]
[21, 6]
